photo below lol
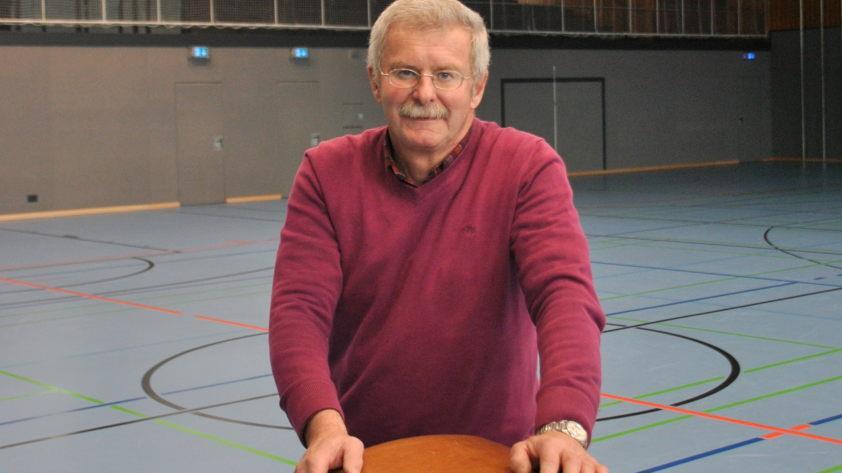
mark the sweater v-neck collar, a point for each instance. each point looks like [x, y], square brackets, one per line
[441, 173]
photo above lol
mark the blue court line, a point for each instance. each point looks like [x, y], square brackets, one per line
[669, 304]
[126, 401]
[708, 273]
[726, 448]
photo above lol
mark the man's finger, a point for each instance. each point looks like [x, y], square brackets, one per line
[571, 465]
[549, 464]
[352, 460]
[519, 459]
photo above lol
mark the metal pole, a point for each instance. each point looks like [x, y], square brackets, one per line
[657, 16]
[631, 15]
[323, 12]
[682, 17]
[212, 15]
[43, 10]
[824, 115]
[563, 25]
[102, 7]
[555, 113]
[712, 17]
[275, 11]
[595, 23]
[368, 12]
[158, 10]
[803, 115]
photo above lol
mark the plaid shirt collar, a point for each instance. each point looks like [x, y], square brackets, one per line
[393, 166]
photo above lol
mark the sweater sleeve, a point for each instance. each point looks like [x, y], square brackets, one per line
[305, 291]
[551, 254]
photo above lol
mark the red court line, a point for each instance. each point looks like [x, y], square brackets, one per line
[93, 297]
[231, 323]
[730, 420]
[775, 435]
[84, 295]
[193, 249]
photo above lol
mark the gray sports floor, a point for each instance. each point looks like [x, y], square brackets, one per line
[136, 342]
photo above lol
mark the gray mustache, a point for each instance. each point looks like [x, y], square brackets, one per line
[413, 110]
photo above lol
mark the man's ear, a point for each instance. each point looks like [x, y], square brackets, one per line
[374, 82]
[478, 90]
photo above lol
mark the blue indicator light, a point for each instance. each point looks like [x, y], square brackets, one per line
[200, 52]
[750, 56]
[301, 53]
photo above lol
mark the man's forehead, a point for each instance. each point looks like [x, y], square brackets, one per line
[401, 32]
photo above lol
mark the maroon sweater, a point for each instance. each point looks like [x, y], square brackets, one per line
[422, 310]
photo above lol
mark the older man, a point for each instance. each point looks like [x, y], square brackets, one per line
[424, 265]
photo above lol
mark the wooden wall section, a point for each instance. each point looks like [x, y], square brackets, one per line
[784, 14]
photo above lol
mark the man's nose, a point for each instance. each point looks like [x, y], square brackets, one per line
[425, 91]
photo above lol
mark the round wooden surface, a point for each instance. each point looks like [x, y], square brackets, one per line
[437, 454]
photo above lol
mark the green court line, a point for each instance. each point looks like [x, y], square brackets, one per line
[711, 281]
[830, 350]
[782, 392]
[730, 333]
[832, 469]
[774, 394]
[720, 378]
[26, 396]
[213, 438]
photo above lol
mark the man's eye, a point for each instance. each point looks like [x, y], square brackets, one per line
[405, 73]
[446, 76]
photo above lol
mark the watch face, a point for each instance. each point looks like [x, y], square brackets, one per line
[576, 431]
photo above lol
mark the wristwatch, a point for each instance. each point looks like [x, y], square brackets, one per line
[569, 427]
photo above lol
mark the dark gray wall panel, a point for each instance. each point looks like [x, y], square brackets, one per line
[786, 93]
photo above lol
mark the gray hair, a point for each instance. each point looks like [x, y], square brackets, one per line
[430, 14]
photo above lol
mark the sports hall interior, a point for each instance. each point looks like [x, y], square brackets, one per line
[147, 148]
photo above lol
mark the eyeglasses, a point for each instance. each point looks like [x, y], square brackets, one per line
[408, 78]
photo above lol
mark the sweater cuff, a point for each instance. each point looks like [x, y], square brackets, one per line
[565, 404]
[304, 400]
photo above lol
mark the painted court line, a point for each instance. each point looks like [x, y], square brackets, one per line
[730, 420]
[734, 446]
[177, 251]
[84, 295]
[140, 417]
[137, 305]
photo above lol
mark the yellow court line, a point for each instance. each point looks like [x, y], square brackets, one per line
[666, 167]
[89, 211]
[253, 198]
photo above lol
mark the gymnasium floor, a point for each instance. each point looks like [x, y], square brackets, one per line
[136, 342]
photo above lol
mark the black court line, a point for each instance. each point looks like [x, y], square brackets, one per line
[135, 421]
[78, 238]
[707, 243]
[725, 309]
[790, 251]
[146, 383]
[149, 266]
[733, 374]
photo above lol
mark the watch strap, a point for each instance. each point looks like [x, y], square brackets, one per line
[569, 427]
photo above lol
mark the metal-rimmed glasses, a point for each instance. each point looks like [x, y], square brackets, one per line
[404, 78]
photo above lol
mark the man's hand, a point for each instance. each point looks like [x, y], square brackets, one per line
[329, 446]
[553, 451]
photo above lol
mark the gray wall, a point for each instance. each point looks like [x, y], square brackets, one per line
[786, 94]
[662, 107]
[89, 126]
